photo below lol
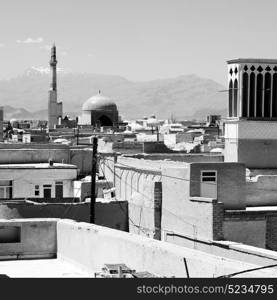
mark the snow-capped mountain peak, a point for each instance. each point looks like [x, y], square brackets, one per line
[43, 71]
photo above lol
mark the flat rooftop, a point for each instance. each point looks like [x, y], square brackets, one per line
[253, 60]
[41, 268]
[38, 166]
[64, 248]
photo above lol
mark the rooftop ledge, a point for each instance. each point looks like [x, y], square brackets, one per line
[78, 249]
[203, 199]
[38, 166]
[253, 60]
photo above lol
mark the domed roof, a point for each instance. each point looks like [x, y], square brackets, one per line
[99, 102]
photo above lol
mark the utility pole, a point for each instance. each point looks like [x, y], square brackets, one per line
[93, 180]
[77, 135]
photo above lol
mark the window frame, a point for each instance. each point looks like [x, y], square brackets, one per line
[37, 189]
[202, 176]
[47, 187]
[7, 189]
[59, 184]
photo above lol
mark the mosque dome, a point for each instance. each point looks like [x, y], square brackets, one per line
[99, 103]
[99, 111]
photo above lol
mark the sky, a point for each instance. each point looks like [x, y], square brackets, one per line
[137, 39]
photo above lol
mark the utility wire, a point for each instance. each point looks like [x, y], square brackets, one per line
[247, 270]
[228, 275]
[151, 201]
[189, 180]
[124, 212]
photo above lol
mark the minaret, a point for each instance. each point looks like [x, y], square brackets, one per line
[53, 65]
[54, 108]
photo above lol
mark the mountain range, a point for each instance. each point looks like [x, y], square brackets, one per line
[186, 96]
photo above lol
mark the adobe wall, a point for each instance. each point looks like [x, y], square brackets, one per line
[107, 166]
[180, 157]
[131, 175]
[28, 238]
[249, 229]
[251, 142]
[261, 190]
[82, 189]
[183, 214]
[152, 161]
[259, 227]
[100, 245]
[127, 147]
[1, 122]
[111, 214]
[24, 180]
[145, 210]
[228, 249]
[32, 146]
[155, 147]
[170, 139]
[81, 158]
[15, 156]
[258, 153]
[230, 182]
[38, 153]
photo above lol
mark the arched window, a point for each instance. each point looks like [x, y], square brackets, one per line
[235, 98]
[244, 94]
[230, 98]
[274, 96]
[252, 95]
[267, 93]
[259, 95]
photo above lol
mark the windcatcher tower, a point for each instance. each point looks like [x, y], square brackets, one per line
[55, 109]
[251, 126]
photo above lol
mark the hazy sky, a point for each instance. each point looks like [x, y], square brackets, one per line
[137, 39]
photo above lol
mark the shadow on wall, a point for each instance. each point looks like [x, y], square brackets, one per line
[112, 214]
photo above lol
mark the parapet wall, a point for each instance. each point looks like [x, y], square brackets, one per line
[92, 246]
[261, 190]
[21, 238]
[182, 157]
[112, 214]
[41, 153]
[21, 156]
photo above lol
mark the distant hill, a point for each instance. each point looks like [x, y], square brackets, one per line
[185, 96]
